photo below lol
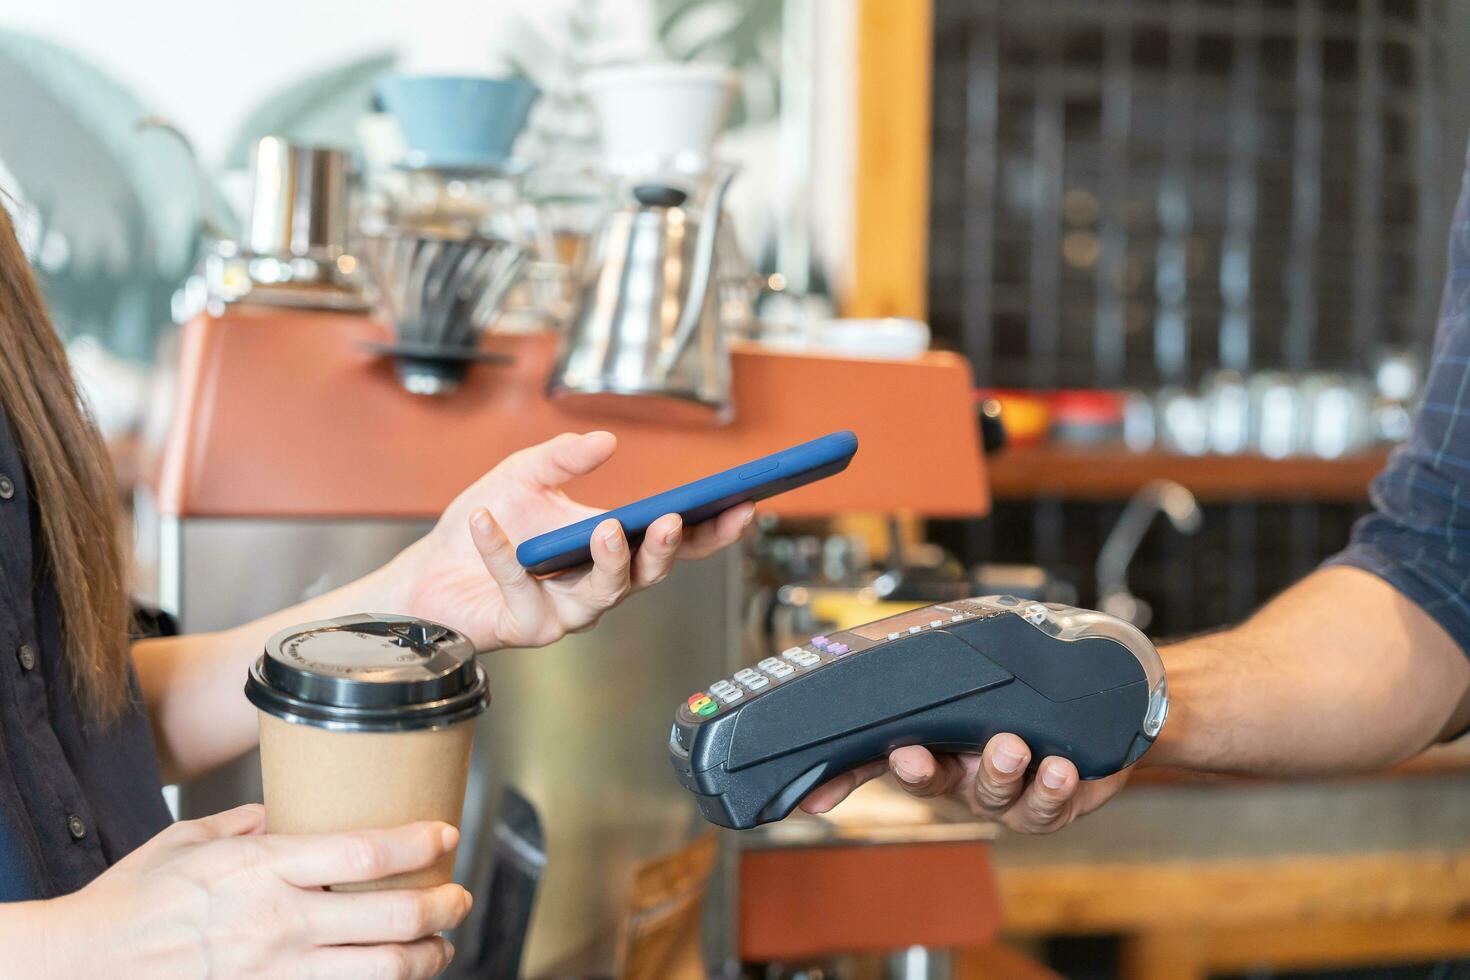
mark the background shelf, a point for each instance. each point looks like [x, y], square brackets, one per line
[1114, 472]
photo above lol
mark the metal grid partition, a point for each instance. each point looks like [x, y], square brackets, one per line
[1137, 193]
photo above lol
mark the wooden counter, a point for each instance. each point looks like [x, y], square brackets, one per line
[1218, 877]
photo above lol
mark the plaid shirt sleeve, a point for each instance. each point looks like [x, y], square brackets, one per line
[1418, 536]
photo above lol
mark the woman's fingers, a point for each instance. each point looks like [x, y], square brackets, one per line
[392, 916]
[523, 597]
[314, 860]
[608, 581]
[417, 960]
[709, 536]
[239, 822]
[555, 461]
[656, 554]
[834, 791]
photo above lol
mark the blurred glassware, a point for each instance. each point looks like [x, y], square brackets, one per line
[1183, 422]
[1227, 405]
[458, 124]
[1399, 376]
[1140, 428]
[660, 119]
[1337, 415]
[1275, 414]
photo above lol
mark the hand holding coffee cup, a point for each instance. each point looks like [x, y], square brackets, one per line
[367, 722]
[220, 891]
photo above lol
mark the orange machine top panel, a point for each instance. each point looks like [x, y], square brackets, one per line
[284, 414]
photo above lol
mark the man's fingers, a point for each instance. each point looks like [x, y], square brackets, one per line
[313, 860]
[1046, 805]
[522, 593]
[417, 960]
[833, 792]
[392, 916]
[608, 581]
[921, 773]
[555, 461]
[655, 558]
[1001, 776]
[707, 537]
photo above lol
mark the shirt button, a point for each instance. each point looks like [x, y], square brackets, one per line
[7, 487]
[27, 657]
[76, 826]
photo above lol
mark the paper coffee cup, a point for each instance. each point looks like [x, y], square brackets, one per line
[366, 722]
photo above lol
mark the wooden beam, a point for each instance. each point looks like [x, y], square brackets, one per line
[891, 179]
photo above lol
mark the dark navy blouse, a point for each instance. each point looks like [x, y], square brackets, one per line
[73, 799]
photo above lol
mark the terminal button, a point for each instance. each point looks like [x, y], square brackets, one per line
[838, 649]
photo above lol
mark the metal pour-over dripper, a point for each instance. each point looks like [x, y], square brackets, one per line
[439, 292]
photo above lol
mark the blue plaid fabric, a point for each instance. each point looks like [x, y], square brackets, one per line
[1418, 536]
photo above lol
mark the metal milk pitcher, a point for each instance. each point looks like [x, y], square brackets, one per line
[645, 339]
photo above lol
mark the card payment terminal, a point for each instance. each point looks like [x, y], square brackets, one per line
[1070, 682]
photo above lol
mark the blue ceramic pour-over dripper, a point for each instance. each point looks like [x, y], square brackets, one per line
[457, 123]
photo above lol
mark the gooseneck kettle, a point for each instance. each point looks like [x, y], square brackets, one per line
[645, 339]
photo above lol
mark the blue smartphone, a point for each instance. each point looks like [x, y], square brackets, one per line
[571, 546]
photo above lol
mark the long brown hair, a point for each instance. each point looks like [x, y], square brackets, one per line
[70, 480]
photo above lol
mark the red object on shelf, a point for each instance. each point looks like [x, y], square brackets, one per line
[1086, 406]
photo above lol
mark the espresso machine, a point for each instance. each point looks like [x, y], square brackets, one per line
[307, 446]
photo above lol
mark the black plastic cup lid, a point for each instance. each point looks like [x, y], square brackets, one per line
[369, 673]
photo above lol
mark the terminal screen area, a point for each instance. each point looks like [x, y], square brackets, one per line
[900, 624]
